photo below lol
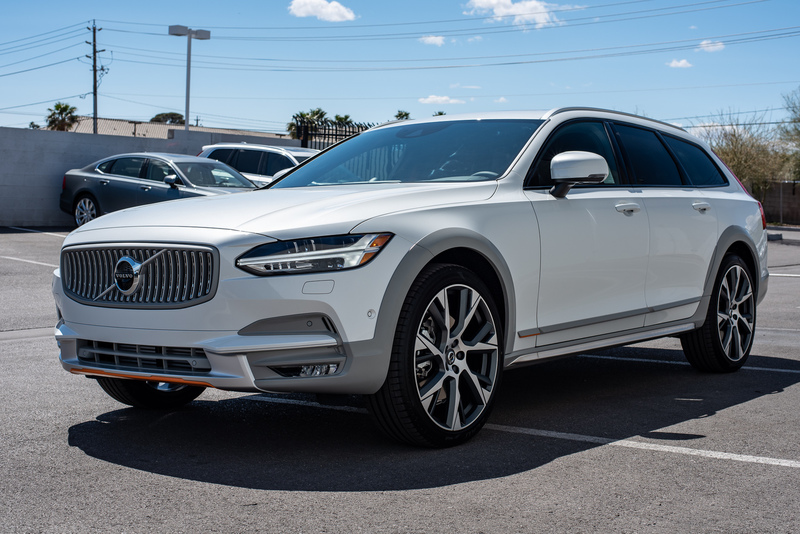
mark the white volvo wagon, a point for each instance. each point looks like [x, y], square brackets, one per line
[418, 261]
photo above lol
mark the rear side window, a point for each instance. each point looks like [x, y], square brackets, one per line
[105, 167]
[130, 167]
[651, 163]
[276, 163]
[221, 154]
[246, 160]
[696, 162]
[581, 136]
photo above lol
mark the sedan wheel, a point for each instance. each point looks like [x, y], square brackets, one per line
[85, 210]
[447, 361]
[724, 341]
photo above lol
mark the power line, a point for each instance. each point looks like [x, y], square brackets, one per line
[41, 34]
[51, 40]
[41, 55]
[37, 68]
[45, 102]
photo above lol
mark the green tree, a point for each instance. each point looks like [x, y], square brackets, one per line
[402, 115]
[62, 117]
[790, 131]
[343, 119]
[314, 116]
[34, 126]
[439, 113]
[750, 148]
[169, 118]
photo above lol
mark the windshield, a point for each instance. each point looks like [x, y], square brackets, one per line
[213, 174]
[457, 151]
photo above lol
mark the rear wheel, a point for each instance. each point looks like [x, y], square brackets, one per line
[153, 395]
[86, 209]
[724, 341]
[446, 363]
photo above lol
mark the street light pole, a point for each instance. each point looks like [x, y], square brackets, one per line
[190, 34]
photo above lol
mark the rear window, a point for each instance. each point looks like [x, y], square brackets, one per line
[130, 167]
[651, 163]
[696, 162]
[247, 161]
[221, 154]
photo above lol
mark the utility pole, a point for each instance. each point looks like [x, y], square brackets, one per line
[93, 57]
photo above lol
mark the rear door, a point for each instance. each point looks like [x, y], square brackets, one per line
[119, 184]
[683, 224]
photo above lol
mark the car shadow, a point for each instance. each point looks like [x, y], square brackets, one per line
[238, 442]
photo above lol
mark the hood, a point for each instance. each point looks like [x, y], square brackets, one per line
[295, 212]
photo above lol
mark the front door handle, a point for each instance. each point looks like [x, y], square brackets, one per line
[145, 187]
[628, 208]
[702, 207]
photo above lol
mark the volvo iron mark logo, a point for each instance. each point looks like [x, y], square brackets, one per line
[126, 275]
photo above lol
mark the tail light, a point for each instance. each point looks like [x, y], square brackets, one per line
[763, 217]
[64, 183]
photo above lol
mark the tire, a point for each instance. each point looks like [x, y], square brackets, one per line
[86, 209]
[150, 395]
[724, 341]
[447, 361]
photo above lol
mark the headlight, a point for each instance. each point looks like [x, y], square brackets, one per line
[313, 255]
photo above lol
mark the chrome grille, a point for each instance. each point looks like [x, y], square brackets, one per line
[143, 358]
[172, 276]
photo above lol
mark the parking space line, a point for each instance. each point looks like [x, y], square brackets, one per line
[37, 231]
[647, 446]
[30, 261]
[597, 440]
[671, 362]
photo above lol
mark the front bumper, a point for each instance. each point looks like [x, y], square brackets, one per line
[255, 334]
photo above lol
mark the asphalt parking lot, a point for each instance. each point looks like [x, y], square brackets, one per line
[623, 440]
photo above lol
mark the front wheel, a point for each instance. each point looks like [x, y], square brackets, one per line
[447, 361]
[152, 395]
[724, 341]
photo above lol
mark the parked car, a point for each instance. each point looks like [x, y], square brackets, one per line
[259, 163]
[129, 180]
[418, 261]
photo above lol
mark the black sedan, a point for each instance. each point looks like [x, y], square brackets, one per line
[128, 180]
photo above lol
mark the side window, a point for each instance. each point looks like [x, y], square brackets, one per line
[582, 136]
[696, 162]
[158, 170]
[247, 160]
[130, 167]
[277, 162]
[221, 154]
[105, 167]
[651, 163]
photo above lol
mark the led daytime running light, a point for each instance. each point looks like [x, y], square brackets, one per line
[313, 255]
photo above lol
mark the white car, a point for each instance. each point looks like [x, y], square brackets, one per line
[259, 163]
[416, 262]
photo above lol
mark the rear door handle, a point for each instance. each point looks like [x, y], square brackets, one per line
[702, 207]
[628, 208]
[103, 182]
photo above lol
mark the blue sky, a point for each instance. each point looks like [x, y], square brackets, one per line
[676, 60]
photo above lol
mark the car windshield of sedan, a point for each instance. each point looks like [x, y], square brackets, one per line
[455, 151]
[213, 174]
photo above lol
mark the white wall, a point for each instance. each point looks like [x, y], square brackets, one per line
[33, 163]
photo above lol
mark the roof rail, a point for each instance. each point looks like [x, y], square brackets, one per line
[556, 111]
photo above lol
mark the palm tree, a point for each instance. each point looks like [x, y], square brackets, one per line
[402, 115]
[314, 116]
[62, 117]
[343, 119]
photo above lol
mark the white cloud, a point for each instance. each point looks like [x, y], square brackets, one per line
[476, 39]
[501, 100]
[433, 99]
[458, 85]
[679, 64]
[711, 46]
[322, 9]
[534, 12]
[692, 27]
[436, 40]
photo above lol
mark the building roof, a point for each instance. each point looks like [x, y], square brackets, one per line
[154, 130]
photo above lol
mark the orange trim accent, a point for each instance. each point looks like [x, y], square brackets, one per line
[529, 335]
[171, 380]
